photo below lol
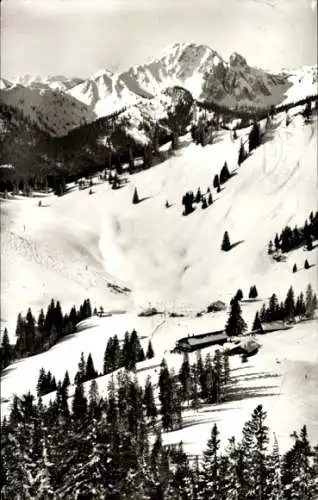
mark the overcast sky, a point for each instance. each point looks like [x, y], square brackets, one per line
[79, 37]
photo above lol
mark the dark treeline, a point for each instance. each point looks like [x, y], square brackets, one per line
[34, 336]
[302, 306]
[250, 113]
[289, 239]
[115, 357]
[101, 449]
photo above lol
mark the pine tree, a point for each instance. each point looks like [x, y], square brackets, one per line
[80, 375]
[290, 304]
[210, 199]
[150, 352]
[256, 323]
[216, 182]
[235, 324]
[79, 403]
[255, 471]
[135, 199]
[254, 139]
[6, 350]
[204, 204]
[239, 294]
[90, 371]
[218, 376]
[93, 399]
[210, 472]
[274, 482]
[306, 265]
[198, 196]
[224, 174]
[149, 401]
[185, 378]
[165, 397]
[295, 268]
[242, 154]
[226, 244]
[66, 381]
[310, 303]
[270, 248]
[226, 368]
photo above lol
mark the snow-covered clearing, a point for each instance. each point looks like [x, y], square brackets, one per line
[72, 246]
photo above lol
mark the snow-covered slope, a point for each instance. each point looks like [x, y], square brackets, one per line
[164, 257]
[104, 92]
[58, 82]
[72, 246]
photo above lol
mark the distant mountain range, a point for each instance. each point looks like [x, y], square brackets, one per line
[58, 104]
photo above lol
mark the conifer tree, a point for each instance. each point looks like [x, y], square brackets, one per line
[149, 401]
[210, 472]
[166, 397]
[90, 371]
[66, 381]
[270, 248]
[79, 403]
[306, 265]
[80, 375]
[310, 302]
[226, 244]
[210, 199]
[6, 350]
[150, 352]
[216, 182]
[198, 196]
[254, 139]
[239, 294]
[204, 203]
[290, 304]
[235, 324]
[242, 154]
[295, 268]
[256, 323]
[185, 378]
[135, 199]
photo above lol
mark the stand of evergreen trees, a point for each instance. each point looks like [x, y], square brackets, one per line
[289, 239]
[302, 306]
[36, 336]
[101, 449]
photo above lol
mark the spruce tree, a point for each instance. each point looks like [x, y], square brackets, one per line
[149, 401]
[242, 154]
[306, 265]
[256, 323]
[295, 268]
[150, 352]
[135, 199]
[210, 472]
[79, 403]
[216, 182]
[239, 294]
[254, 137]
[226, 244]
[235, 325]
[166, 397]
[90, 371]
[204, 203]
[185, 378]
[290, 304]
[210, 199]
[198, 196]
[6, 350]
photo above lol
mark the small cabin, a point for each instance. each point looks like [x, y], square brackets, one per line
[273, 326]
[196, 342]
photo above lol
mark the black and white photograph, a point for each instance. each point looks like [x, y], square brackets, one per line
[159, 244]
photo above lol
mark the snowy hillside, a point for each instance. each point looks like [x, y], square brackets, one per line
[112, 233]
[74, 246]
